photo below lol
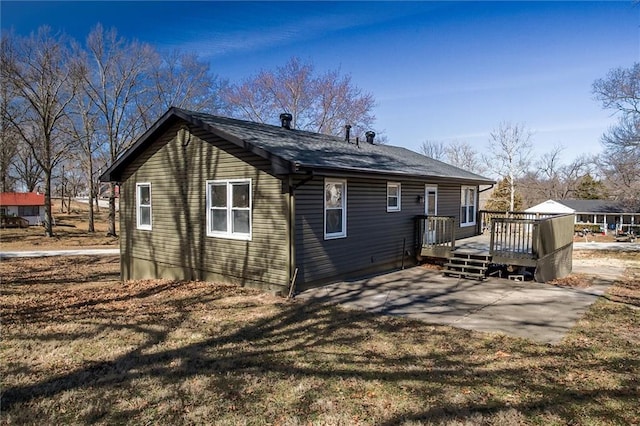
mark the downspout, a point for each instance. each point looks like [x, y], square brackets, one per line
[291, 199]
[122, 219]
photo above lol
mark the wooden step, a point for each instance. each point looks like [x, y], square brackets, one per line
[467, 265]
[456, 261]
[456, 267]
[471, 256]
[464, 275]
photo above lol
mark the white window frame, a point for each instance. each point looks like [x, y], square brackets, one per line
[139, 206]
[229, 234]
[471, 221]
[343, 232]
[397, 207]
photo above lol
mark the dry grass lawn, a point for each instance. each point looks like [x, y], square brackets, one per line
[79, 347]
[70, 232]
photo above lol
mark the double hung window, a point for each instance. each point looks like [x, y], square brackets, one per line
[229, 209]
[335, 209]
[393, 197]
[143, 205]
[468, 206]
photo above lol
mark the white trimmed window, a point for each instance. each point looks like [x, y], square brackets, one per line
[229, 209]
[335, 209]
[143, 205]
[394, 203]
[468, 205]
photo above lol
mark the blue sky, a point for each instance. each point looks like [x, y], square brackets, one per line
[438, 70]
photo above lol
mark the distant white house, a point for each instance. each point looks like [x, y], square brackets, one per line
[27, 205]
[606, 213]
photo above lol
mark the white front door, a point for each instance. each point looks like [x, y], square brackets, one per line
[430, 209]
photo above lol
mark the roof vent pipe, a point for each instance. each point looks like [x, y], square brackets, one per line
[286, 119]
[370, 135]
[347, 133]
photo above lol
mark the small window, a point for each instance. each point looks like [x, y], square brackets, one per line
[143, 205]
[335, 209]
[28, 211]
[393, 197]
[468, 206]
[229, 209]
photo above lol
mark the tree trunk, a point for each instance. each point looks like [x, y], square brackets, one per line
[92, 192]
[111, 232]
[97, 198]
[48, 217]
[512, 190]
[62, 195]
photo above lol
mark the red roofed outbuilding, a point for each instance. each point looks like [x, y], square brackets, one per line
[28, 205]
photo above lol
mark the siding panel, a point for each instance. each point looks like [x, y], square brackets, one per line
[375, 237]
[177, 244]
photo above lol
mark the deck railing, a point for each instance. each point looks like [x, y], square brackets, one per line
[485, 217]
[513, 241]
[517, 238]
[436, 235]
[545, 243]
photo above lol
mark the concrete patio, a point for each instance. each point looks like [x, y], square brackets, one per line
[540, 312]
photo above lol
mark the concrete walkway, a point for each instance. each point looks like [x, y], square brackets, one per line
[539, 312]
[44, 253]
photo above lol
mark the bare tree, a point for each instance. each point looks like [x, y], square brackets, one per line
[83, 128]
[547, 183]
[8, 138]
[434, 149]
[118, 85]
[622, 177]
[509, 154]
[8, 151]
[27, 169]
[338, 102]
[572, 174]
[624, 138]
[462, 154]
[322, 103]
[457, 153]
[183, 80]
[73, 180]
[553, 179]
[620, 92]
[38, 70]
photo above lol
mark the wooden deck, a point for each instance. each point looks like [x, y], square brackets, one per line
[480, 244]
[545, 244]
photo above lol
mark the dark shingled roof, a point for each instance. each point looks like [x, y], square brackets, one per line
[593, 206]
[304, 151]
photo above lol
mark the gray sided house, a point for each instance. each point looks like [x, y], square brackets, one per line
[219, 199]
